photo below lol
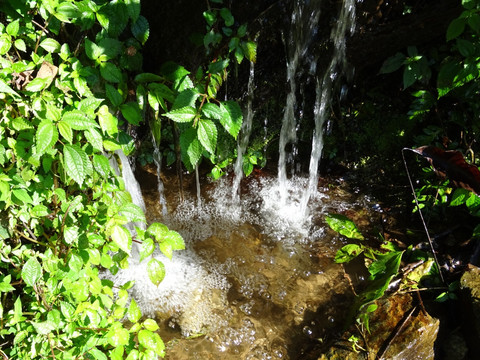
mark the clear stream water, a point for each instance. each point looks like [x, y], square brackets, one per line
[257, 279]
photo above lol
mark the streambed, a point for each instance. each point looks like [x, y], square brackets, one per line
[257, 280]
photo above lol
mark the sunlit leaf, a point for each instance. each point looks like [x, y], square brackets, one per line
[75, 162]
[184, 114]
[122, 238]
[31, 271]
[344, 226]
[46, 136]
[207, 134]
[156, 271]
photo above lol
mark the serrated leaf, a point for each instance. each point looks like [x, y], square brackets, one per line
[134, 313]
[185, 98]
[184, 114]
[40, 211]
[250, 50]
[110, 48]
[132, 212]
[31, 271]
[117, 336]
[348, 253]
[5, 43]
[78, 120]
[95, 139]
[92, 50]
[111, 145]
[344, 226]
[37, 84]
[122, 238]
[65, 130]
[211, 111]
[191, 148]
[46, 136]
[20, 45]
[111, 72]
[141, 29]
[156, 271]
[232, 117]
[133, 8]
[102, 165]
[147, 248]
[13, 27]
[157, 230]
[50, 45]
[90, 104]
[227, 16]
[108, 122]
[207, 134]
[75, 162]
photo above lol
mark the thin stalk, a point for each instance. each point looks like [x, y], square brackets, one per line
[421, 216]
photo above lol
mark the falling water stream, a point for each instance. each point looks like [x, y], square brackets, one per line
[257, 279]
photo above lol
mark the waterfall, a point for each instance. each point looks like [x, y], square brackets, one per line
[345, 24]
[157, 158]
[303, 26]
[244, 136]
[131, 183]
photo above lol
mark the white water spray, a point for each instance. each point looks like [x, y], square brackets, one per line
[345, 24]
[245, 135]
[304, 21]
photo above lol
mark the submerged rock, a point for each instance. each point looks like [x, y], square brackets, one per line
[398, 330]
[470, 286]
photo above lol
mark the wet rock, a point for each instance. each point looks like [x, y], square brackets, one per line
[398, 330]
[470, 286]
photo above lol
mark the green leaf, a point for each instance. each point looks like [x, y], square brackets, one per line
[67, 10]
[50, 45]
[122, 238]
[89, 105]
[108, 122]
[456, 28]
[141, 29]
[232, 117]
[46, 136]
[207, 134]
[348, 253]
[185, 98]
[211, 111]
[393, 63]
[227, 16]
[134, 313]
[131, 112]
[156, 271]
[111, 72]
[76, 162]
[250, 50]
[218, 66]
[133, 9]
[31, 271]
[344, 226]
[113, 95]
[147, 77]
[459, 197]
[20, 45]
[117, 336]
[148, 246]
[37, 84]
[65, 130]
[4, 88]
[151, 325]
[102, 165]
[13, 27]
[474, 22]
[40, 211]
[95, 139]
[191, 148]
[97, 354]
[78, 120]
[162, 91]
[132, 212]
[386, 265]
[110, 48]
[5, 43]
[22, 195]
[184, 114]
